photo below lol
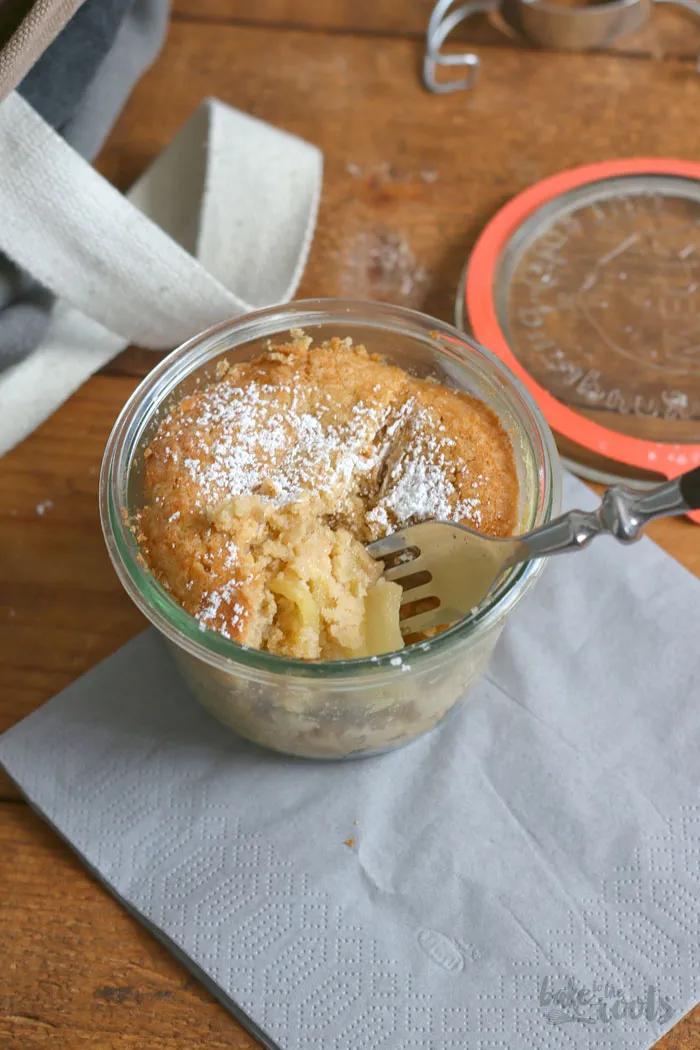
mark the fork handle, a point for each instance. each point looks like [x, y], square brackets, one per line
[623, 513]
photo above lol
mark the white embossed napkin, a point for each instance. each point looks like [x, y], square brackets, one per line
[527, 876]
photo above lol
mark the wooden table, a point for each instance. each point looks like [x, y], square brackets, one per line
[410, 180]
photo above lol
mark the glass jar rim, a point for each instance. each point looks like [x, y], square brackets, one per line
[183, 629]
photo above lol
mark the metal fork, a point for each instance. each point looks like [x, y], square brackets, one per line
[447, 569]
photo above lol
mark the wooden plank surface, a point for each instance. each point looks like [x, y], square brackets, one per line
[410, 180]
[78, 971]
[670, 31]
[407, 191]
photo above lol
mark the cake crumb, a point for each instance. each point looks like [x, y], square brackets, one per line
[41, 508]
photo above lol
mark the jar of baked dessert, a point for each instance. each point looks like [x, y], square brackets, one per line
[248, 469]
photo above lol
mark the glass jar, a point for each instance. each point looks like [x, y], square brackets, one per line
[335, 708]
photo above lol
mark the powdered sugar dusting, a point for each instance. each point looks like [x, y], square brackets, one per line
[211, 604]
[277, 442]
[417, 484]
[264, 447]
[419, 489]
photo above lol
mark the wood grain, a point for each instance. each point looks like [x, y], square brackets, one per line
[410, 180]
[670, 32]
[407, 191]
[79, 973]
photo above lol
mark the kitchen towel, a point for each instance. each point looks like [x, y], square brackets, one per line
[526, 877]
[78, 86]
[28, 28]
[220, 223]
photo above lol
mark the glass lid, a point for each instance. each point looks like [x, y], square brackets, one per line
[589, 285]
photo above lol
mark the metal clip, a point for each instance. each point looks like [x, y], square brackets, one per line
[442, 22]
[542, 22]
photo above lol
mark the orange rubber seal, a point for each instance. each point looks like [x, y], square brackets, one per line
[669, 459]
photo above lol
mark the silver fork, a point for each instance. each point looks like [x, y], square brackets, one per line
[447, 569]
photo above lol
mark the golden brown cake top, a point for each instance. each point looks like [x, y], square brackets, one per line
[304, 438]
